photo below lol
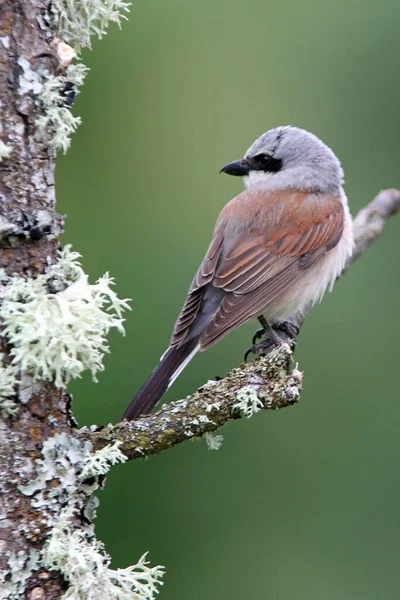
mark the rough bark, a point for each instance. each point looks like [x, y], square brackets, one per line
[29, 227]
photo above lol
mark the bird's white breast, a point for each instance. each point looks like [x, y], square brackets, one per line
[313, 283]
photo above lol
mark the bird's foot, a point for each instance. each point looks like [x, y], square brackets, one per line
[271, 341]
[258, 335]
[288, 332]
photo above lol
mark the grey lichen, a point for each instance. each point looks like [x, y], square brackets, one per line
[5, 151]
[63, 458]
[21, 567]
[29, 80]
[74, 471]
[6, 228]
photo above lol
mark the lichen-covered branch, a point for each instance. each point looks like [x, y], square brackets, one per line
[269, 382]
[370, 221]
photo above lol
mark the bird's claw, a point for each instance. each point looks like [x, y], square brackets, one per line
[288, 328]
[269, 343]
[258, 335]
[250, 350]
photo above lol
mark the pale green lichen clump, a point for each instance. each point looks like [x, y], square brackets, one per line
[76, 22]
[8, 382]
[248, 402]
[99, 463]
[76, 552]
[57, 124]
[70, 22]
[213, 441]
[86, 566]
[58, 323]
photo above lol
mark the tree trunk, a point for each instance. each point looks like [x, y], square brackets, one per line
[29, 227]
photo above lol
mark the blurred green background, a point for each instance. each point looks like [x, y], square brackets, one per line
[300, 504]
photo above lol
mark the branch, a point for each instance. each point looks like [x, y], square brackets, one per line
[213, 405]
[266, 383]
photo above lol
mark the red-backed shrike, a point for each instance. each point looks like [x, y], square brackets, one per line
[276, 247]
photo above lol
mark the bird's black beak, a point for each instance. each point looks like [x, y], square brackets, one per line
[237, 167]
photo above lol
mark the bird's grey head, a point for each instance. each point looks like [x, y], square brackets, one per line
[289, 158]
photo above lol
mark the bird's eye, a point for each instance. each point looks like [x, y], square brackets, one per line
[266, 162]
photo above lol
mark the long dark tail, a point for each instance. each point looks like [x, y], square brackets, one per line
[171, 364]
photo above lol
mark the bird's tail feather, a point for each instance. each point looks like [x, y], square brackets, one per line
[172, 363]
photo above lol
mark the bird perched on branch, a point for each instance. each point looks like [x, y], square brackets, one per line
[276, 247]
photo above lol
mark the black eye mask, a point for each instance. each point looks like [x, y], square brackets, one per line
[265, 162]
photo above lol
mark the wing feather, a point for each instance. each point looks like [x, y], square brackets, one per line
[248, 269]
[237, 309]
[194, 300]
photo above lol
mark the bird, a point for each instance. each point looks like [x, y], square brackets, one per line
[276, 247]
